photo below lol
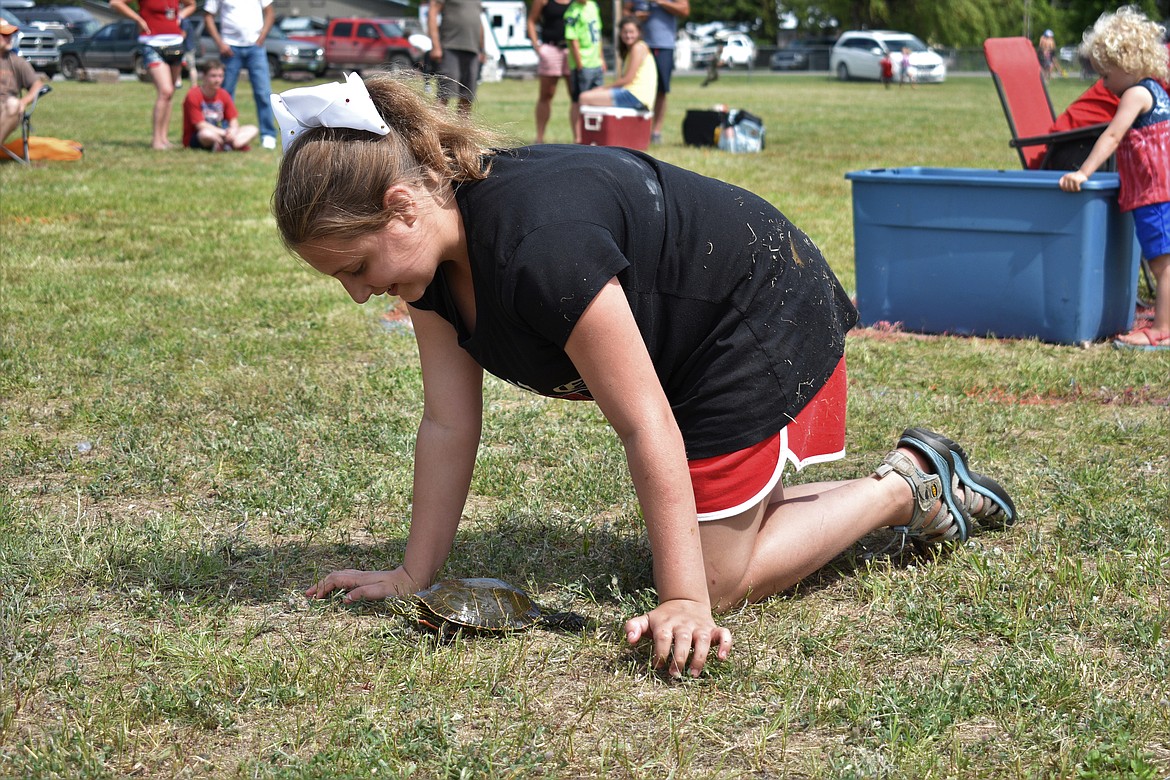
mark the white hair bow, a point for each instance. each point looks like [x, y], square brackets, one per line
[336, 104]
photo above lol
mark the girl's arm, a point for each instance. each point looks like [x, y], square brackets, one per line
[122, 7]
[607, 348]
[533, 15]
[637, 56]
[1135, 101]
[444, 455]
[679, 8]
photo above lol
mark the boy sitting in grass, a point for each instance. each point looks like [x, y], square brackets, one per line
[210, 119]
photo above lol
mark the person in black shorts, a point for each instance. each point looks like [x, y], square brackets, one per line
[709, 330]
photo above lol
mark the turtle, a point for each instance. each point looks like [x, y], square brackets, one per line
[488, 605]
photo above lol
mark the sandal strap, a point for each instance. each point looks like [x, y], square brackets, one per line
[991, 513]
[928, 493]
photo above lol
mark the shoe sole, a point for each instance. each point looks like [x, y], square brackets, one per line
[943, 461]
[980, 483]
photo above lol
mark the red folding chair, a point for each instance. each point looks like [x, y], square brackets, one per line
[1028, 108]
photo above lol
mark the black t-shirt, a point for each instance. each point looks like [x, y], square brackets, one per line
[740, 313]
[552, 23]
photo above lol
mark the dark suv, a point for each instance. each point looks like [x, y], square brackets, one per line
[806, 54]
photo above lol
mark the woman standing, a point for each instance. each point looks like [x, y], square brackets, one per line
[551, 50]
[161, 35]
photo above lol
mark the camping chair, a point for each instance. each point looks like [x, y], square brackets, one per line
[25, 129]
[1016, 70]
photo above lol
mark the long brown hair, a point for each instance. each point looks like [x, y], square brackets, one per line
[332, 181]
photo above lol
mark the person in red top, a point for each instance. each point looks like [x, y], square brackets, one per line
[160, 23]
[887, 66]
[210, 119]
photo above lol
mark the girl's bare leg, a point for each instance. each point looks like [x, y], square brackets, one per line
[548, 88]
[164, 83]
[795, 532]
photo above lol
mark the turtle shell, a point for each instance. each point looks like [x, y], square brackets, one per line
[480, 603]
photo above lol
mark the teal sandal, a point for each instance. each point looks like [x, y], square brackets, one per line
[998, 510]
[950, 522]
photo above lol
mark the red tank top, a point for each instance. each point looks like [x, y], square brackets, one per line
[162, 16]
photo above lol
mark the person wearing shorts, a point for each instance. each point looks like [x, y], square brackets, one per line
[456, 29]
[637, 80]
[552, 56]
[586, 66]
[699, 319]
[161, 35]
[659, 20]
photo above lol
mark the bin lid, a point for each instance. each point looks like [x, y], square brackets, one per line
[979, 177]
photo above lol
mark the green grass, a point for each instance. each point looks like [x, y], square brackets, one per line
[245, 427]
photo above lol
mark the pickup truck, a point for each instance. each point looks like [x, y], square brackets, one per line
[368, 44]
[37, 46]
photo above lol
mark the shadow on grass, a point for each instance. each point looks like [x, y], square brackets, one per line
[597, 564]
[604, 565]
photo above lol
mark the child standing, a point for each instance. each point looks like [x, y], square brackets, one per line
[1127, 49]
[210, 119]
[909, 75]
[586, 67]
[887, 66]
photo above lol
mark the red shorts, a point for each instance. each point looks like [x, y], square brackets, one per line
[726, 485]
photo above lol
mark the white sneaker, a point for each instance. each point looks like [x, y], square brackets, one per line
[268, 142]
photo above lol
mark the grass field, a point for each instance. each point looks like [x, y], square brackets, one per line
[193, 426]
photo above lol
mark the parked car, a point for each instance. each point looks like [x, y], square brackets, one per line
[66, 22]
[858, 54]
[113, 46]
[116, 46]
[36, 46]
[807, 54]
[366, 44]
[738, 51]
[310, 29]
[284, 53]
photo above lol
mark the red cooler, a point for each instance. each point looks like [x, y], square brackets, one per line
[608, 126]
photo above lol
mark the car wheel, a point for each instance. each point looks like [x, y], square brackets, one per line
[140, 68]
[70, 66]
[842, 72]
[398, 61]
[274, 70]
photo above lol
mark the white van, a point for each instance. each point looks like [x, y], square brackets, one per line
[858, 55]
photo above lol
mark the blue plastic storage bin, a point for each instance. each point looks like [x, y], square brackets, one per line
[997, 253]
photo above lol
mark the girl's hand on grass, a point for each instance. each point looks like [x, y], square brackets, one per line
[364, 585]
[680, 628]
[1071, 182]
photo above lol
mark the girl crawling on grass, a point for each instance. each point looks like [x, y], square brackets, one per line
[707, 328]
[1127, 49]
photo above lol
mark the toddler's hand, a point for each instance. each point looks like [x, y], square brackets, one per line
[1071, 182]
